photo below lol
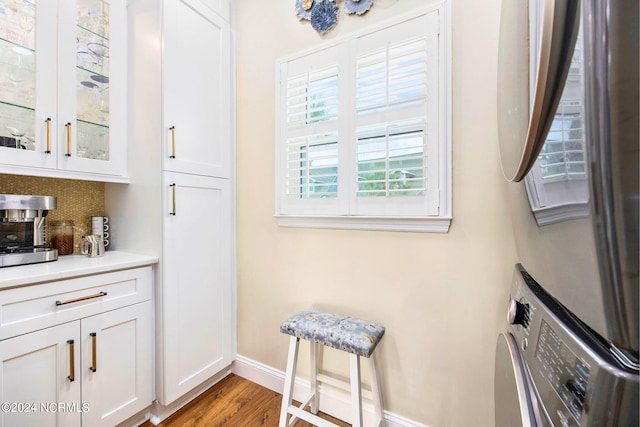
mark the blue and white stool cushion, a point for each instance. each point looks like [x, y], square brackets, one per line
[357, 337]
[334, 330]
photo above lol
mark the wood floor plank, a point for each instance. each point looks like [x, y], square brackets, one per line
[234, 402]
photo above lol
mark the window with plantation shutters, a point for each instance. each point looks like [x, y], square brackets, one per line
[363, 129]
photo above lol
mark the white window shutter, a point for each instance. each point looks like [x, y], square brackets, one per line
[397, 77]
[308, 150]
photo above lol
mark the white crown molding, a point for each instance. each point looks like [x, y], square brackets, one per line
[332, 400]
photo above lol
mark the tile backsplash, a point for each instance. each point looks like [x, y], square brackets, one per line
[77, 200]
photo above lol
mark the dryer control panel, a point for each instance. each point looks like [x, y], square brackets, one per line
[567, 374]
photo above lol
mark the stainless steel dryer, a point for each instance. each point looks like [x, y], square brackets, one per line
[568, 120]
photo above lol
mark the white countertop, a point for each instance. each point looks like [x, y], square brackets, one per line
[68, 266]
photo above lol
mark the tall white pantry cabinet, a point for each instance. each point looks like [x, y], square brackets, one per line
[179, 203]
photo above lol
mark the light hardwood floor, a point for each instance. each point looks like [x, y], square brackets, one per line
[234, 402]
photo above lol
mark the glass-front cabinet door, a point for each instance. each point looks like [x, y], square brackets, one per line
[92, 85]
[63, 87]
[27, 82]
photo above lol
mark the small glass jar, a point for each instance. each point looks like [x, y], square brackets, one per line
[61, 236]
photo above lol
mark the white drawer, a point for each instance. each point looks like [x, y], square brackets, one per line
[35, 307]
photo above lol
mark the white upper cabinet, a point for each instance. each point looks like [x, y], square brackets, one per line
[196, 90]
[28, 83]
[63, 88]
[92, 85]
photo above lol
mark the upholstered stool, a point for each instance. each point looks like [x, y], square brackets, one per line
[355, 336]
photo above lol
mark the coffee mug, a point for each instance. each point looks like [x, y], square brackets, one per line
[100, 226]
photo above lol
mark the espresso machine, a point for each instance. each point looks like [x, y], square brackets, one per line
[22, 229]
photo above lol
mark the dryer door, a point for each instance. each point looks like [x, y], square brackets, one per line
[512, 401]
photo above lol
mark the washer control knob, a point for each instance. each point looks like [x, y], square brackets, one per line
[518, 313]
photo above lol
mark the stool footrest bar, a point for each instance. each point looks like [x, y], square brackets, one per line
[302, 406]
[309, 417]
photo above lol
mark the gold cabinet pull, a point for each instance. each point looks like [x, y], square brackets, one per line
[94, 364]
[68, 126]
[173, 142]
[71, 301]
[48, 125]
[72, 367]
[173, 193]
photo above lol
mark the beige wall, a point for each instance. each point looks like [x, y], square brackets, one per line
[441, 296]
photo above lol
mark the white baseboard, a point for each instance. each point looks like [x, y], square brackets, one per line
[160, 413]
[332, 400]
[137, 419]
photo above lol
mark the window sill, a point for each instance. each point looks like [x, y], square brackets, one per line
[419, 225]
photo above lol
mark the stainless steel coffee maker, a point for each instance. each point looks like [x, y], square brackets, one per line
[22, 230]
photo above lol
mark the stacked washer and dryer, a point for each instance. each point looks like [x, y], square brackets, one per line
[568, 127]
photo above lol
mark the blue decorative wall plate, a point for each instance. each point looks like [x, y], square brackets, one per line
[358, 6]
[304, 8]
[324, 16]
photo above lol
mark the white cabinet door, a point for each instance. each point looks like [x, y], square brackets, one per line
[196, 291]
[35, 370]
[117, 364]
[92, 86]
[28, 83]
[63, 88]
[196, 90]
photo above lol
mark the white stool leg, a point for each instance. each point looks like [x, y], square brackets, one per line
[287, 393]
[356, 391]
[376, 391]
[314, 376]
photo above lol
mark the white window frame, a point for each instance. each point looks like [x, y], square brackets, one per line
[321, 213]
